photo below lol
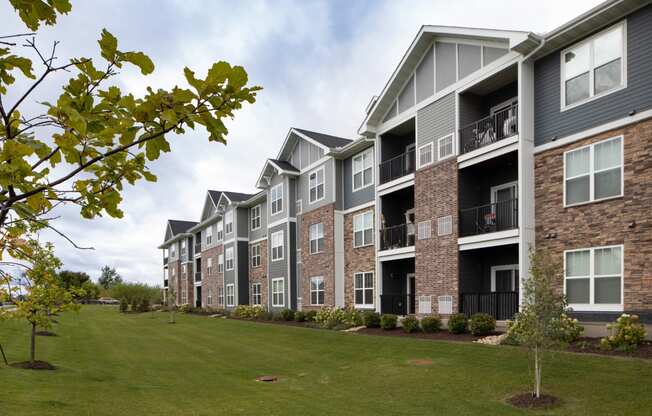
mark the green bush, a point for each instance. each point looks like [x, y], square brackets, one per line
[185, 308]
[143, 306]
[627, 333]
[287, 314]
[310, 316]
[410, 324]
[299, 316]
[371, 319]
[352, 317]
[457, 324]
[134, 305]
[570, 329]
[276, 316]
[482, 324]
[388, 321]
[431, 324]
[328, 315]
[248, 312]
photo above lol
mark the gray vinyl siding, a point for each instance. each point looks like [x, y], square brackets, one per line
[549, 121]
[229, 275]
[425, 79]
[276, 179]
[262, 231]
[304, 186]
[436, 121]
[354, 198]
[491, 54]
[469, 59]
[278, 268]
[305, 153]
[445, 64]
[241, 218]
[293, 265]
[339, 198]
[292, 197]
[406, 97]
[242, 262]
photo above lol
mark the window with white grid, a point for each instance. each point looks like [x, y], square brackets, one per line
[425, 155]
[445, 225]
[424, 230]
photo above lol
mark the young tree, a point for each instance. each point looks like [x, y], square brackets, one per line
[539, 324]
[170, 300]
[109, 278]
[92, 139]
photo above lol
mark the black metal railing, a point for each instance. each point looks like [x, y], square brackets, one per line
[501, 125]
[165, 260]
[397, 304]
[197, 248]
[165, 282]
[197, 276]
[397, 166]
[499, 216]
[397, 236]
[500, 305]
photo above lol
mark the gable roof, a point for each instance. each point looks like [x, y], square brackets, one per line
[275, 166]
[326, 142]
[325, 139]
[284, 166]
[180, 226]
[215, 195]
[237, 196]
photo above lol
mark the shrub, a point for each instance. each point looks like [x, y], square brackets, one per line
[327, 316]
[352, 317]
[248, 312]
[431, 324]
[310, 316]
[388, 321]
[371, 319]
[144, 306]
[299, 316]
[287, 314]
[124, 306]
[457, 324]
[627, 333]
[134, 305]
[570, 329]
[410, 324]
[482, 324]
[185, 308]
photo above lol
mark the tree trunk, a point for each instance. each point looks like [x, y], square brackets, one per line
[32, 348]
[537, 373]
[4, 357]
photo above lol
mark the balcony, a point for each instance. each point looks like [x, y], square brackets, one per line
[501, 305]
[494, 128]
[165, 261]
[397, 304]
[397, 236]
[397, 166]
[197, 276]
[165, 282]
[489, 218]
[197, 248]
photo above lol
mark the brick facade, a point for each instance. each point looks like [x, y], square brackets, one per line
[356, 259]
[436, 261]
[211, 280]
[174, 281]
[187, 282]
[259, 274]
[319, 264]
[625, 220]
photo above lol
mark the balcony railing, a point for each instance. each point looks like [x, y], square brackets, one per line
[197, 248]
[500, 305]
[165, 282]
[501, 125]
[397, 236]
[397, 166]
[397, 304]
[197, 276]
[165, 261]
[499, 216]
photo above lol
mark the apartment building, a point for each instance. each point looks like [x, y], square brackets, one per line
[483, 145]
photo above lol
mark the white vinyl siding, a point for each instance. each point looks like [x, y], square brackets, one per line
[316, 236]
[277, 246]
[364, 289]
[363, 229]
[278, 292]
[228, 254]
[594, 278]
[276, 198]
[316, 185]
[363, 172]
[317, 290]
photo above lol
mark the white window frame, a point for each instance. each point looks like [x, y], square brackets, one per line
[364, 243]
[173, 251]
[230, 297]
[316, 237]
[592, 96]
[512, 267]
[228, 222]
[317, 185]
[256, 217]
[273, 200]
[299, 206]
[256, 255]
[209, 296]
[256, 294]
[424, 230]
[432, 155]
[442, 222]
[592, 306]
[209, 266]
[183, 247]
[220, 231]
[209, 236]
[592, 172]
[367, 153]
[366, 304]
[220, 263]
[229, 258]
[280, 293]
[444, 157]
[318, 291]
[220, 296]
[282, 245]
[184, 295]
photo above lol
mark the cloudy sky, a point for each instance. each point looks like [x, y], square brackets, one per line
[318, 61]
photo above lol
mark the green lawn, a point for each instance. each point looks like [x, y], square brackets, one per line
[113, 364]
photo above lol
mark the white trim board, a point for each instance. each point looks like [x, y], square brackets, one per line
[499, 238]
[357, 208]
[396, 184]
[487, 152]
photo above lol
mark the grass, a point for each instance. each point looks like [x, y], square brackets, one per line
[110, 363]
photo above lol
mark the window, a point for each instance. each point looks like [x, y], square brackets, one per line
[184, 269]
[209, 266]
[299, 207]
[278, 292]
[255, 255]
[209, 297]
[220, 263]
[316, 185]
[446, 147]
[255, 218]
[364, 290]
[424, 230]
[277, 246]
[229, 258]
[256, 294]
[363, 229]
[316, 235]
[445, 225]
[505, 278]
[595, 67]
[425, 155]
[174, 272]
[594, 172]
[276, 196]
[183, 247]
[594, 278]
[184, 296]
[363, 169]
[220, 296]
[317, 290]
[172, 250]
[209, 236]
[220, 231]
[230, 294]
[228, 222]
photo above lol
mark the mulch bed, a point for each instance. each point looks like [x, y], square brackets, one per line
[592, 346]
[36, 365]
[46, 334]
[440, 335]
[529, 401]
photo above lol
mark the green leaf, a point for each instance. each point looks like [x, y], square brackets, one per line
[141, 60]
[108, 45]
[190, 77]
[150, 177]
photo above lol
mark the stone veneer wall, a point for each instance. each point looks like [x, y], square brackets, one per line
[319, 264]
